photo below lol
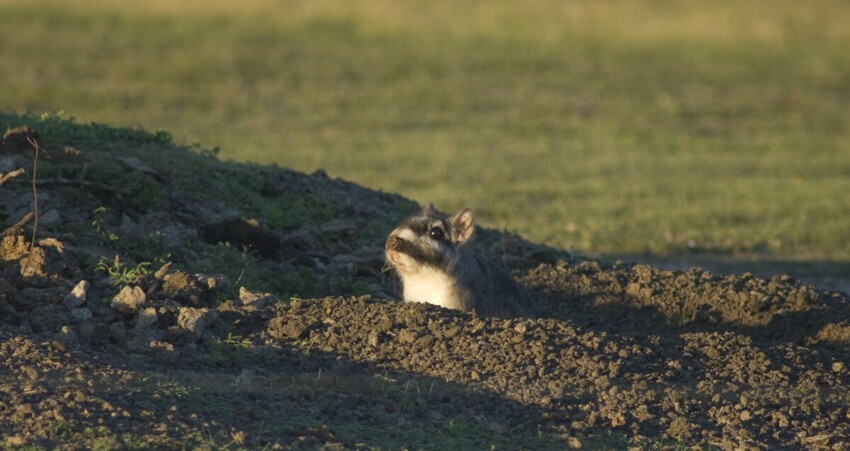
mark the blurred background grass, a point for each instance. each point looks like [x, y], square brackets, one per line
[673, 131]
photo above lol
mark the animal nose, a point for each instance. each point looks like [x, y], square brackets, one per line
[392, 242]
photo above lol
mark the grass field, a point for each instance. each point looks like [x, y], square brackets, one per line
[649, 128]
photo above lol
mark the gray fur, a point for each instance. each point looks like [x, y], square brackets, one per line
[475, 282]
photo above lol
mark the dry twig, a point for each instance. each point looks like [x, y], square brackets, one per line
[17, 227]
[8, 176]
[34, 143]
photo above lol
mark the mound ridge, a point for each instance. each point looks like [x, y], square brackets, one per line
[172, 299]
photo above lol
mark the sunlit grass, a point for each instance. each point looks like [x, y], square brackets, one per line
[648, 127]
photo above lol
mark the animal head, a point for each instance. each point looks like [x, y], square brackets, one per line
[428, 240]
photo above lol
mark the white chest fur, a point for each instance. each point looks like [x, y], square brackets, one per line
[430, 286]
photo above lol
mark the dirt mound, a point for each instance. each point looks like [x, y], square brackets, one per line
[160, 306]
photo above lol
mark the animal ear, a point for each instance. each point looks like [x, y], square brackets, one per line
[428, 210]
[463, 224]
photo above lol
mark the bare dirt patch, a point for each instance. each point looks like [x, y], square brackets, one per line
[194, 336]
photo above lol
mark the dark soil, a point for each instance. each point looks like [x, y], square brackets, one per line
[210, 346]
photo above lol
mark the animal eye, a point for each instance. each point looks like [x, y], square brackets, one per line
[436, 233]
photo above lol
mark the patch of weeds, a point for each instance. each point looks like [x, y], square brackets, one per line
[239, 265]
[148, 246]
[301, 281]
[454, 428]
[120, 273]
[237, 341]
[359, 288]
[51, 169]
[282, 305]
[621, 440]
[290, 210]
[54, 127]
[306, 346]
[199, 149]
[60, 430]
[101, 438]
[172, 389]
[96, 438]
[413, 399]
[145, 192]
[230, 350]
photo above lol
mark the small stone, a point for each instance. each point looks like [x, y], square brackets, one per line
[49, 218]
[338, 227]
[213, 283]
[146, 318]
[15, 441]
[163, 352]
[30, 372]
[129, 299]
[520, 328]
[374, 339]
[81, 314]
[35, 263]
[162, 271]
[195, 320]
[407, 336]
[13, 247]
[77, 296]
[838, 367]
[255, 299]
[118, 330]
[183, 288]
[602, 382]
[67, 336]
[746, 415]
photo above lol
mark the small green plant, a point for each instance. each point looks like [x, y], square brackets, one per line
[237, 341]
[121, 274]
[101, 227]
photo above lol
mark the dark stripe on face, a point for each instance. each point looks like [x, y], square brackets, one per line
[424, 257]
[417, 225]
[421, 226]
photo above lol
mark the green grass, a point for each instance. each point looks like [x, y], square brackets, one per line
[657, 128]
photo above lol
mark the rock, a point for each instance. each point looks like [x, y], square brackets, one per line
[163, 352]
[145, 319]
[293, 329]
[341, 269]
[35, 264]
[162, 271]
[77, 296]
[136, 165]
[34, 297]
[88, 333]
[13, 247]
[195, 320]
[81, 314]
[255, 299]
[213, 283]
[49, 218]
[342, 226]
[183, 288]
[67, 337]
[129, 299]
[243, 232]
[118, 330]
